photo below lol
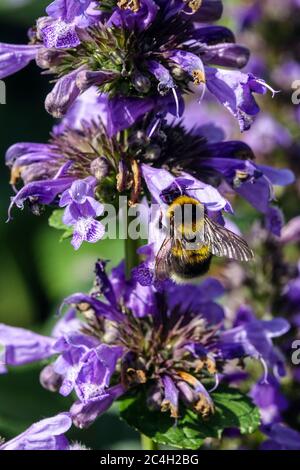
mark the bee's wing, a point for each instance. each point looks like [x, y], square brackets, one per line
[163, 259]
[223, 242]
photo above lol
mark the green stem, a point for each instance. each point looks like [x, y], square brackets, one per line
[147, 443]
[132, 260]
[131, 255]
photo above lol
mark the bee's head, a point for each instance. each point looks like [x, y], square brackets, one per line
[171, 193]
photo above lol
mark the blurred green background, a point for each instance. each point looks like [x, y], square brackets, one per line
[37, 270]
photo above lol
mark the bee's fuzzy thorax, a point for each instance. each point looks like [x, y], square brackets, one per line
[187, 224]
[179, 202]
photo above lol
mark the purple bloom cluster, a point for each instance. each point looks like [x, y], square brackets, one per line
[69, 172]
[139, 49]
[123, 337]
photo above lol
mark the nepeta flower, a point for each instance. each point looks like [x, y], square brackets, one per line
[281, 437]
[19, 346]
[47, 434]
[164, 187]
[81, 210]
[253, 337]
[226, 165]
[138, 49]
[89, 160]
[205, 155]
[270, 400]
[88, 150]
[122, 337]
[291, 231]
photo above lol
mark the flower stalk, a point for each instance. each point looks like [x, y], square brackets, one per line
[131, 261]
[131, 255]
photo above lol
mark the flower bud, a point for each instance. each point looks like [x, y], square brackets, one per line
[47, 58]
[141, 83]
[49, 379]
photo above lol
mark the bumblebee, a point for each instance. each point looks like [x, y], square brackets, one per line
[177, 260]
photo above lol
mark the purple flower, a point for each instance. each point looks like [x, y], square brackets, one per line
[59, 35]
[19, 346]
[253, 182]
[217, 161]
[81, 210]
[281, 438]
[66, 18]
[270, 400]
[161, 182]
[267, 135]
[133, 16]
[291, 231]
[105, 355]
[71, 43]
[291, 292]
[252, 337]
[15, 57]
[249, 15]
[235, 91]
[73, 349]
[95, 374]
[41, 192]
[47, 434]
[171, 397]
[68, 9]
[66, 171]
[63, 94]
[274, 220]
[84, 414]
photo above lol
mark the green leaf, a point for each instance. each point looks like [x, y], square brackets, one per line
[232, 409]
[23, 401]
[235, 409]
[55, 221]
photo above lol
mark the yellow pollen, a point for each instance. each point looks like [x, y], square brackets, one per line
[194, 5]
[137, 376]
[136, 183]
[167, 405]
[211, 366]
[240, 174]
[203, 407]
[198, 77]
[187, 377]
[15, 174]
[133, 5]
[199, 366]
